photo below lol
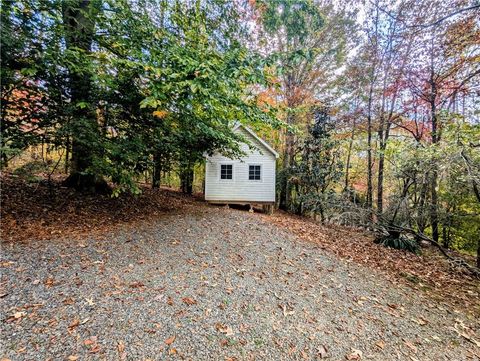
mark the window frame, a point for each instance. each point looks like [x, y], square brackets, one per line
[261, 172]
[220, 172]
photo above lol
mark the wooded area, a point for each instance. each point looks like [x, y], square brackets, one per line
[374, 107]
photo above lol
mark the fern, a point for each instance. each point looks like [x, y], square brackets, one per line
[401, 242]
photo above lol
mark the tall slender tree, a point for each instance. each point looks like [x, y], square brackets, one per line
[79, 18]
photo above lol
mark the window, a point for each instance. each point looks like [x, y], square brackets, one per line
[254, 172]
[226, 171]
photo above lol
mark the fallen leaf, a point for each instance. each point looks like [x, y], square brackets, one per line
[137, 285]
[90, 301]
[287, 310]
[411, 346]
[74, 324]
[72, 358]
[68, 301]
[380, 344]
[225, 329]
[170, 340]
[49, 282]
[19, 314]
[355, 355]
[95, 348]
[121, 346]
[420, 321]
[322, 352]
[189, 301]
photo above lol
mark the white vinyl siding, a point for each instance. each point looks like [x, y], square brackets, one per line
[241, 188]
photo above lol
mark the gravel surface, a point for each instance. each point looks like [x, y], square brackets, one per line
[212, 284]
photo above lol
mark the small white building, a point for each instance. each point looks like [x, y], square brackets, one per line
[249, 180]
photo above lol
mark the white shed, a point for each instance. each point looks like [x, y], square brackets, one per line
[249, 180]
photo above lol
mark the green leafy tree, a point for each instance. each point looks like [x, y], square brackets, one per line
[153, 86]
[202, 84]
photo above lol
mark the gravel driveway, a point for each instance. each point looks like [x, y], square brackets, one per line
[212, 284]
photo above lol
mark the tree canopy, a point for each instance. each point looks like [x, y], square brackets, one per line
[122, 83]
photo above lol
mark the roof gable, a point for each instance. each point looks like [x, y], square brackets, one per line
[257, 138]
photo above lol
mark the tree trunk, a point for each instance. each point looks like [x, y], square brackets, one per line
[406, 186]
[4, 162]
[369, 153]
[373, 78]
[434, 206]
[186, 179]
[478, 252]
[288, 157]
[434, 180]
[349, 157]
[369, 166]
[322, 215]
[79, 24]
[289, 165]
[381, 167]
[446, 236]
[157, 171]
[421, 205]
[435, 139]
[283, 184]
[67, 154]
